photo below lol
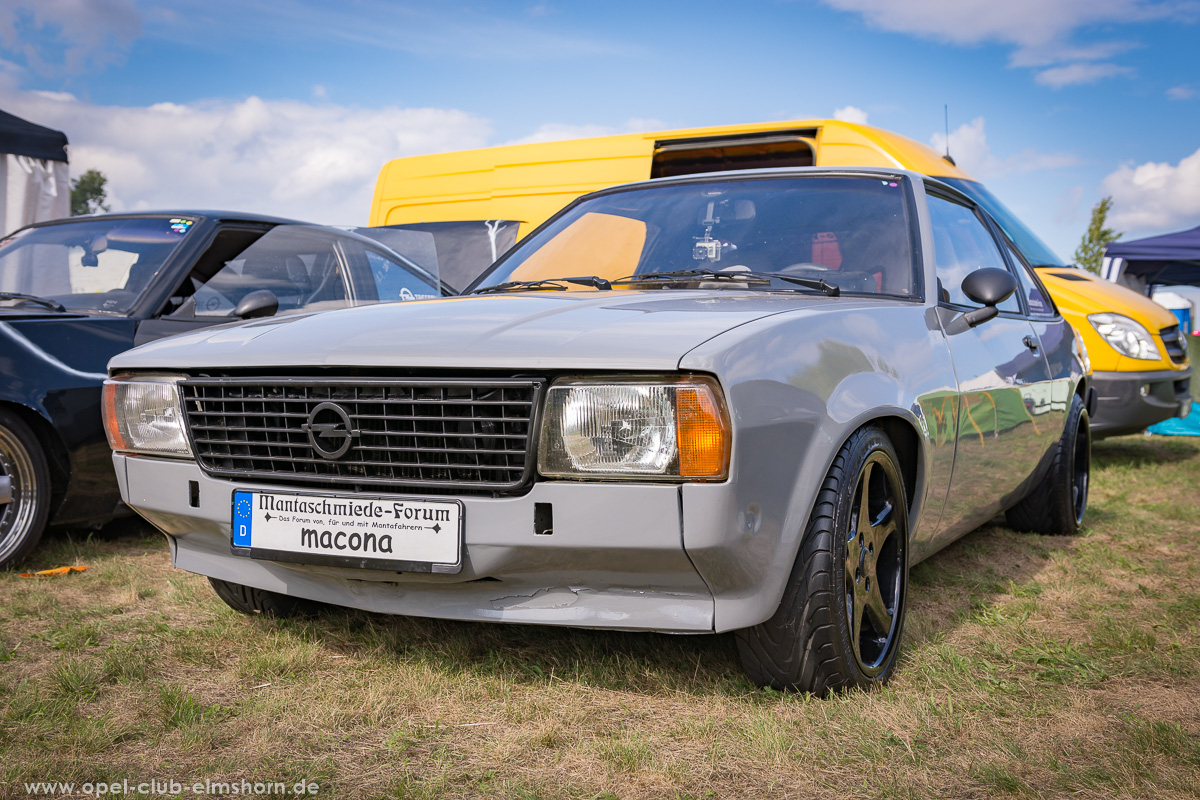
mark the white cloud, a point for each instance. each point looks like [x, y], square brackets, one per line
[851, 114]
[481, 32]
[91, 33]
[1025, 23]
[1079, 73]
[971, 151]
[1040, 31]
[1184, 92]
[312, 162]
[1155, 196]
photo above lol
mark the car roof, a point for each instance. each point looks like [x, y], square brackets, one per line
[232, 216]
[779, 172]
[767, 172]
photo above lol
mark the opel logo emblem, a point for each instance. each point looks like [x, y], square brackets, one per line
[329, 430]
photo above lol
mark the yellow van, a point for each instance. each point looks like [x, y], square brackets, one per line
[1139, 357]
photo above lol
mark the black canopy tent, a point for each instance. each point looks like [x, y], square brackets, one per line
[24, 138]
[1172, 259]
[34, 176]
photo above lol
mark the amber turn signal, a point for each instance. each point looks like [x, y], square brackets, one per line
[703, 432]
[111, 426]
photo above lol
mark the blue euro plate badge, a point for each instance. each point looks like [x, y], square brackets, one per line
[401, 534]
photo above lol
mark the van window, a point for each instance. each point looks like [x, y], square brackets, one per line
[720, 154]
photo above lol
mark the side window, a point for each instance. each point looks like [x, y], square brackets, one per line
[961, 245]
[1039, 304]
[395, 282]
[302, 270]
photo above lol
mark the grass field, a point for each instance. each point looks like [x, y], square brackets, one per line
[1033, 667]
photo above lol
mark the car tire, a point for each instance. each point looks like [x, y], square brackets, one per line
[850, 574]
[1058, 502]
[249, 600]
[23, 463]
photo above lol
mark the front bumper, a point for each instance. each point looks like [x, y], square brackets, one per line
[615, 558]
[1128, 402]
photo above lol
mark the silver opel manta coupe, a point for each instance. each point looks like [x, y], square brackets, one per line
[746, 402]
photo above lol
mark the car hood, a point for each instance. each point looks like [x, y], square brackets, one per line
[47, 350]
[1080, 292]
[532, 330]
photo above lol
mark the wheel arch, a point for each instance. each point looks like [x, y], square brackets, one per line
[907, 441]
[57, 458]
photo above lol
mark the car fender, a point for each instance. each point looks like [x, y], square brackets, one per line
[798, 385]
[52, 375]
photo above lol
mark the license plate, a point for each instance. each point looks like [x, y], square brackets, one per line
[403, 534]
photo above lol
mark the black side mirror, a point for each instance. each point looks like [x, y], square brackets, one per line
[262, 303]
[989, 287]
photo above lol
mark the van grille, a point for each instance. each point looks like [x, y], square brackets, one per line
[408, 434]
[1175, 343]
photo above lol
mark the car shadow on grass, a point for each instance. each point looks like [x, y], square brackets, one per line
[968, 578]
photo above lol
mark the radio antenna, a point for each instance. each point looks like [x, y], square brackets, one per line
[948, 157]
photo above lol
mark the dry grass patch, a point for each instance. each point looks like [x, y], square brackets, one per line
[1034, 667]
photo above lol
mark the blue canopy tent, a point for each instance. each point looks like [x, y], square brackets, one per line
[1172, 259]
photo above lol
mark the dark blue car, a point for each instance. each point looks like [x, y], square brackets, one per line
[75, 292]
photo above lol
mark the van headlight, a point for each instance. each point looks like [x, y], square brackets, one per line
[666, 428]
[1129, 337]
[143, 415]
[1081, 352]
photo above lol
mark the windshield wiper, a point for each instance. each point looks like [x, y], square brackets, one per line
[748, 277]
[32, 298]
[555, 284]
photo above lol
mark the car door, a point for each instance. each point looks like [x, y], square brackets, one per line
[1000, 370]
[176, 309]
[303, 266]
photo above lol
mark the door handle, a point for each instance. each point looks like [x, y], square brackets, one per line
[1031, 343]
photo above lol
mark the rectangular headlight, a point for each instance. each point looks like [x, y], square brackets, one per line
[144, 416]
[668, 428]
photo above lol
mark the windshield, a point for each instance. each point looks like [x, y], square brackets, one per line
[1036, 252]
[851, 231]
[91, 264]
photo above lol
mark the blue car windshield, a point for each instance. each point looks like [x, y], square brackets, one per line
[852, 232]
[89, 264]
[1036, 252]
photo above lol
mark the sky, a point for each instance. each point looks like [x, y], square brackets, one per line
[291, 107]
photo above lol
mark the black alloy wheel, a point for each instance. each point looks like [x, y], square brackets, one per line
[1081, 468]
[839, 622]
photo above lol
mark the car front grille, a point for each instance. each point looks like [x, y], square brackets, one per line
[1175, 342]
[408, 434]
